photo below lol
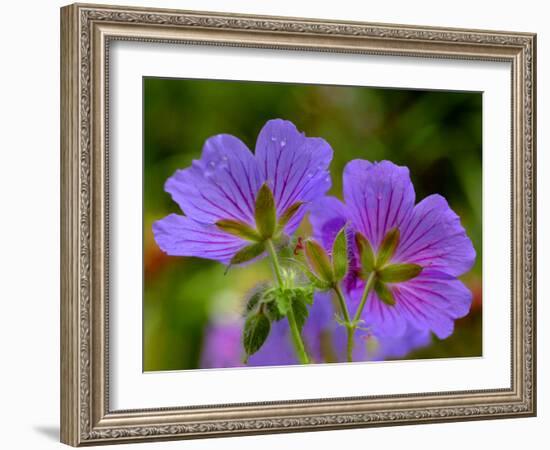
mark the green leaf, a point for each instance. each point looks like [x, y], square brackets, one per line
[256, 330]
[304, 295]
[265, 212]
[272, 311]
[254, 300]
[288, 214]
[264, 300]
[247, 253]
[387, 247]
[340, 255]
[365, 254]
[319, 261]
[396, 273]
[384, 293]
[300, 313]
[239, 229]
[283, 300]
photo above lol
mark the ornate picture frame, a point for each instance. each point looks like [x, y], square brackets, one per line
[87, 32]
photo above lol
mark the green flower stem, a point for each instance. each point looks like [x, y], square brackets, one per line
[348, 323]
[295, 332]
[274, 261]
[368, 288]
[342, 303]
[297, 338]
[352, 326]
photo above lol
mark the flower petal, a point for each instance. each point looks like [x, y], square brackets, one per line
[180, 236]
[385, 320]
[371, 347]
[434, 237]
[221, 185]
[294, 166]
[222, 346]
[327, 217]
[379, 197]
[318, 327]
[433, 301]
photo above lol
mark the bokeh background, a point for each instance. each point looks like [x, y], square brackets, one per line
[438, 135]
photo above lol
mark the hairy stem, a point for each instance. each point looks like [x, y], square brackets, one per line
[297, 338]
[295, 332]
[352, 325]
[348, 324]
[368, 288]
[274, 261]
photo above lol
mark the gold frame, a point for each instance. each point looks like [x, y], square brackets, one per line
[86, 31]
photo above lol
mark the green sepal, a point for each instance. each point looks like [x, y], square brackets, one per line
[387, 247]
[384, 293]
[256, 330]
[313, 279]
[265, 212]
[248, 253]
[340, 255]
[239, 229]
[288, 214]
[319, 261]
[397, 273]
[366, 255]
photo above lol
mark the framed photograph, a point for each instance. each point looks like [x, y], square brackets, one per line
[275, 225]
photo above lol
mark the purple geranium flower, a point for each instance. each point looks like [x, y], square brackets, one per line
[222, 345]
[414, 252]
[324, 340]
[219, 192]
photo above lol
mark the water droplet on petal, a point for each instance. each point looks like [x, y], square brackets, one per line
[273, 139]
[224, 157]
[283, 143]
[212, 163]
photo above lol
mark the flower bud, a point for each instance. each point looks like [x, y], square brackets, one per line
[319, 261]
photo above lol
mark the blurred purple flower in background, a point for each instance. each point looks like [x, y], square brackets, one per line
[222, 346]
[223, 185]
[380, 206]
[324, 338]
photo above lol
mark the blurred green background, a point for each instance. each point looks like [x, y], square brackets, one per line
[436, 134]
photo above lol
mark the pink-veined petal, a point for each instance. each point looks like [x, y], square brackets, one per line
[379, 197]
[294, 166]
[434, 238]
[221, 185]
[433, 300]
[180, 236]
